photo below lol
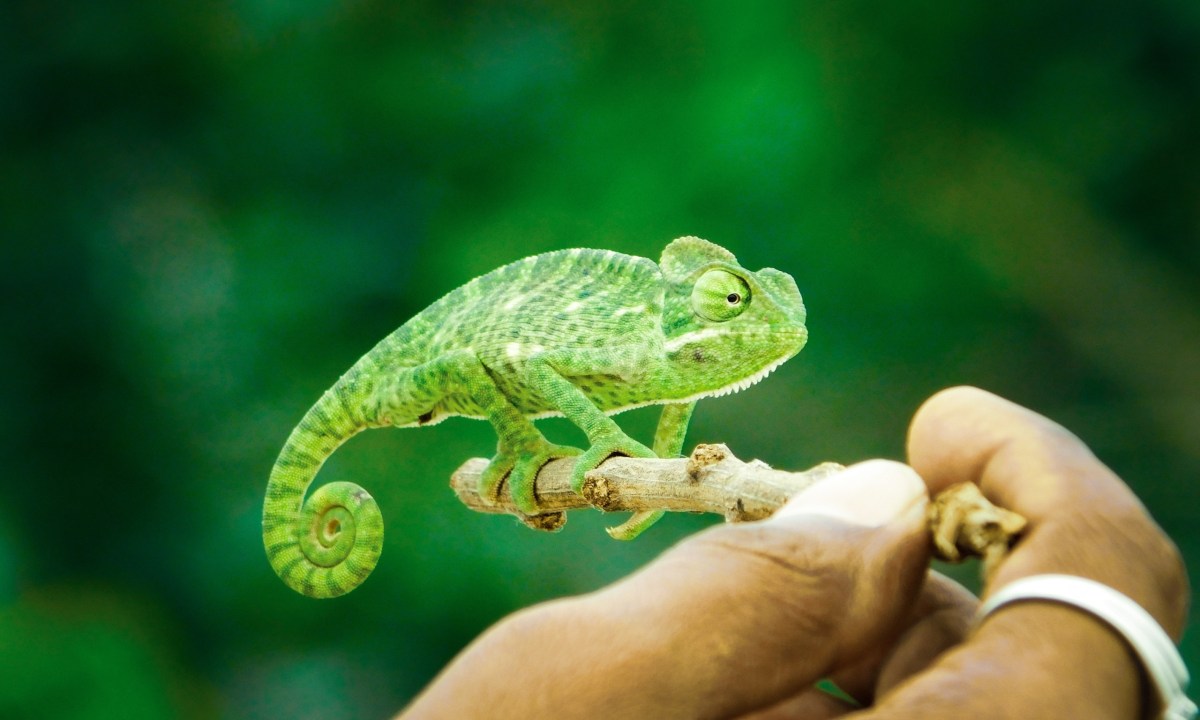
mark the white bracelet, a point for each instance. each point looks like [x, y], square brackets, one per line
[1150, 643]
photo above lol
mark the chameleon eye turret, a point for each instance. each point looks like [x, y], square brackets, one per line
[720, 295]
[579, 333]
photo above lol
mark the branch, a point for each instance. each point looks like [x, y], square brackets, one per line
[711, 480]
[962, 523]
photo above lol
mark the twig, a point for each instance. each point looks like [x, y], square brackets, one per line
[711, 480]
[962, 524]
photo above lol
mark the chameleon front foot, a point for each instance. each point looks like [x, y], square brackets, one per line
[521, 466]
[601, 449]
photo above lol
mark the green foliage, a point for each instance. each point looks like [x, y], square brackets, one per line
[211, 210]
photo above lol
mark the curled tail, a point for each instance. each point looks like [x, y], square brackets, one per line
[328, 545]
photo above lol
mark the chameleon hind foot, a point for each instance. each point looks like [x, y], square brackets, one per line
[637, 524]
[521, 465]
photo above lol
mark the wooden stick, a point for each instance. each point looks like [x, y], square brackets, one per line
[711, 480]
[962, 522]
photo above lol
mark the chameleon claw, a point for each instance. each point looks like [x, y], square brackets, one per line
[635, 525]
[520, 480]
[601, 449]
[494, 474]
[520, 466]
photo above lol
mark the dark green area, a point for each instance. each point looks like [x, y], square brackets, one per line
[209, 210]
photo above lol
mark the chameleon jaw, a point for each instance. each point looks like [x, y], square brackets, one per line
[739, 385]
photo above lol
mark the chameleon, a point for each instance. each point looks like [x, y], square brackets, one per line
[580, 333]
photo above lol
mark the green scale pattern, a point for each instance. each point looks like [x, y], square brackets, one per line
[580, 333]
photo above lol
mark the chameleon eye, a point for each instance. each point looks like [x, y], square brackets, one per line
[720, 295]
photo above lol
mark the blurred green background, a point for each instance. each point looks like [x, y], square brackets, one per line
[210, 210]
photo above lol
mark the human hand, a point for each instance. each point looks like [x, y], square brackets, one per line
[1041, 659]
[732, 620]
[742, 618]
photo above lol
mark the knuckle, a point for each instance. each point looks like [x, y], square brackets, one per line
[1126, 548]
[793, 573]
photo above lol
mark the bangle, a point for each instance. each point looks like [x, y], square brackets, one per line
[1149, 642]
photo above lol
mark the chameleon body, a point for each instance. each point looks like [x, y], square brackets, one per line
[580, 333]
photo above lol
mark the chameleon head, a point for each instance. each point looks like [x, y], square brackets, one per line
[725, 327]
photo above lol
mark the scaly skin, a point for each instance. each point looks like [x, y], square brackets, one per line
[579, 333]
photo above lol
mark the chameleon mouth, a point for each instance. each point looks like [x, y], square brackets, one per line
[747, 382]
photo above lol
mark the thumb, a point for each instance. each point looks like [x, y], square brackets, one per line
[776, 604]
[867, 526]
[870, 494]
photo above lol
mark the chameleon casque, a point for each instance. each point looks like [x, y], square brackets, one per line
[580, 333]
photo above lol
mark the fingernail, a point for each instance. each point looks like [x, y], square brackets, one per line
[871, 494]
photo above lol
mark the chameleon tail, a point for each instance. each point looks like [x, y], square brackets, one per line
[330, 544]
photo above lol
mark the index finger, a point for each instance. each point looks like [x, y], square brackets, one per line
[1023, 461]
[1083, 519]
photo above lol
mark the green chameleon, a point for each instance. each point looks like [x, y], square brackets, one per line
[579, 333]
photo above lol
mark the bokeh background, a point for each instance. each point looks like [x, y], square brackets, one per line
[210, 210]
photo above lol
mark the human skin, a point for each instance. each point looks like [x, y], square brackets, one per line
[740, 621]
